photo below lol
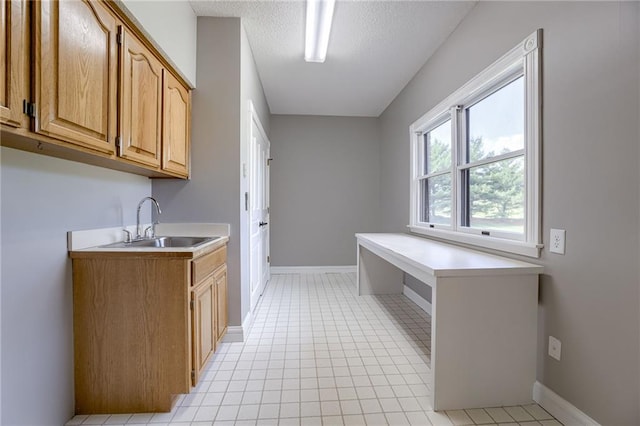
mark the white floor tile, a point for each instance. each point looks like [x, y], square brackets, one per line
[269, 411]
[499, 415]
[519, 414]
[96, 419]
[376, 420]
[459, 417]
[479, 416]
[310, 409]
[206, 414]
[248, 412]
[537, 412]
[77, 420]
[354, 420]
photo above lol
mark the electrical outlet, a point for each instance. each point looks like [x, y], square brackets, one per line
[555, 348]
[556, 241]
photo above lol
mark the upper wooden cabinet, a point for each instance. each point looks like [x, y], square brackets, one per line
[140, 102]
[76, 59]
[176, 126]
[93, 88]
[14, 62]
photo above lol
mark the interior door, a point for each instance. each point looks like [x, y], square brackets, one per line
[259, 211]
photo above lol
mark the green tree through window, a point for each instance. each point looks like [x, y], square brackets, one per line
[496, 190]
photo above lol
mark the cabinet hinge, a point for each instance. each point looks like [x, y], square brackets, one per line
[192, 305]
[119, 38]
[268, 259]
[193, 375]
[29, 108]
[118, 146]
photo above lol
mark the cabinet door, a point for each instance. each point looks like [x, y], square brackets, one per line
[14, 62]
[220, 277]
[176, 125]
[140, 102]
[76, 69]
[204, 327]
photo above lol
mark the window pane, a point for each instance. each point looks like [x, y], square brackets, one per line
[496, 123]
[496, 196]
[435, 196]
[437, 144]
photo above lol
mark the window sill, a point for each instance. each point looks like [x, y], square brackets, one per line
[507, 246]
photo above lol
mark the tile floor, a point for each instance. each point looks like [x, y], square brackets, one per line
[317, 354]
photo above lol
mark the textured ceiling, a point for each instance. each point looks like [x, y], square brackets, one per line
[375, 48]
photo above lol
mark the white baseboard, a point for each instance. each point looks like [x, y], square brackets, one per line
[313, 269]
[560, 408]
[417, 299]
[236, 333]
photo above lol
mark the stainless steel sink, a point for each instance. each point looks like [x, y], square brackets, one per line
[164, 242]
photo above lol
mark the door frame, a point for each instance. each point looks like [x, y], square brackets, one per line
[255, 118]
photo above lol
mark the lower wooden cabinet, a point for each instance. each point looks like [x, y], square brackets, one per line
[209, 307]
[145, 325]
[220, 278]
[204, 325]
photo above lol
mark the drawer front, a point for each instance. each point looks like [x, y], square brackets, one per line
[205, 265]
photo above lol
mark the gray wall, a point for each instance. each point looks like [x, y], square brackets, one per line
[42, 199]
[589, 297]
[179, 43]
[214, 193]
[324, 188]
[251, 89]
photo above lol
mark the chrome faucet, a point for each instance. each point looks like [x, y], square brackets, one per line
[140, 235]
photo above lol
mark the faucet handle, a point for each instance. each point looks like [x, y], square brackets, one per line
[127, 235]
[150, 232]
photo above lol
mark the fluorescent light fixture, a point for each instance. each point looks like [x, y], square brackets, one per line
[319, 17]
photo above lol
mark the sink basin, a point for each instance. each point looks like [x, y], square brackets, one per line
[164, 242]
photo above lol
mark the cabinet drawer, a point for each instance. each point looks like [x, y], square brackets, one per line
[205, 265]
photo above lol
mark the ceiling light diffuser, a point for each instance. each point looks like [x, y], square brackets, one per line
[319, 18]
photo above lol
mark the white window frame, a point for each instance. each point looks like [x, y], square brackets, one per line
[523, 60]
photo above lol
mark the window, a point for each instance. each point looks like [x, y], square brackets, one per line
[476, 158]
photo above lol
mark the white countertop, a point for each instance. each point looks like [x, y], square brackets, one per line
[92, 239]
[441, 259]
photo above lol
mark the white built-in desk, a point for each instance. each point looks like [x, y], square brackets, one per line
[483, 320]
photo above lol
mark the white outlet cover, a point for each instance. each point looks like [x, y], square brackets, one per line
[557, 241]
[555, 348]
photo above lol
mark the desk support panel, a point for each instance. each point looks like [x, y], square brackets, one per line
[376, 275]
[483, 347]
